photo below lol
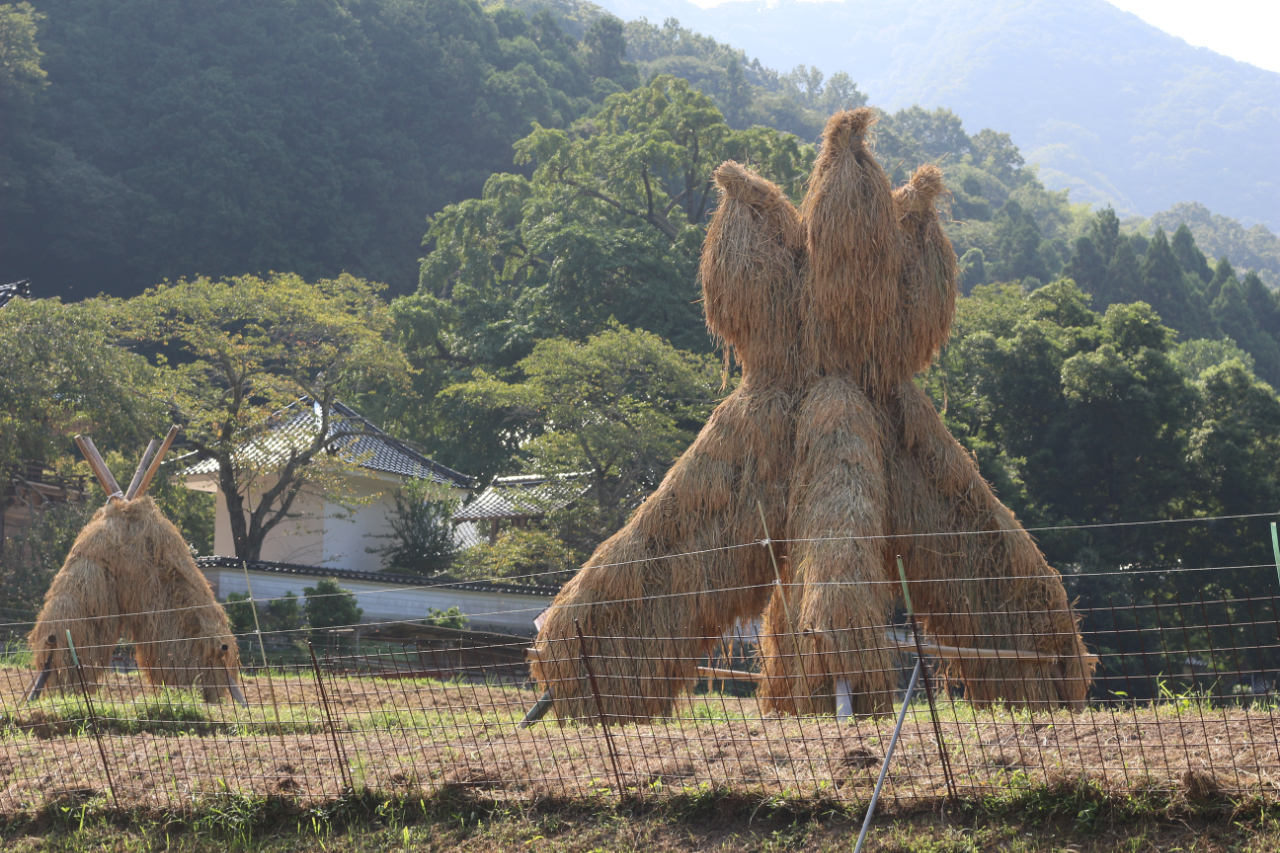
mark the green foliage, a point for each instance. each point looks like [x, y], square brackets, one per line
[521, 556]
[219, 140]
[1079, 417]
[421, 537]
[32, 556]
[619, 407]
[60, 370]
[21, 80]
[330, 606]
[234, 354]
[451, 618]
[1219, 236]
[609, 226]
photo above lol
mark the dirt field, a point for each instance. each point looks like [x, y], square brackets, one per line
[164, 749]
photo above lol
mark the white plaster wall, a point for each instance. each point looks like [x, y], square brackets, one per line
[299, 540]
[324, 533]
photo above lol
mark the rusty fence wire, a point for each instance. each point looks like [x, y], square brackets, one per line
[1180, 686]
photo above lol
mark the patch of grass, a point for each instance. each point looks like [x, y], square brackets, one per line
[1035, 818]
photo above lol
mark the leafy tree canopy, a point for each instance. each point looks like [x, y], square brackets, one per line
[236, 357]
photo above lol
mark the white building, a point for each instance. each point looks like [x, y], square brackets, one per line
[323, 532]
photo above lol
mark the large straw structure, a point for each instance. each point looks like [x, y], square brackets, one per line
[711, 498]
[831, 312]
[130, 574]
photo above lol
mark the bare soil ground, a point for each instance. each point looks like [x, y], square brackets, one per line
[419, 735]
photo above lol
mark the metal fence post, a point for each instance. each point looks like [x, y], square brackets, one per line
[341, 755]
[93, 719]
[604, 720]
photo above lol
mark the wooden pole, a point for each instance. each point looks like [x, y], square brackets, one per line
[142, 469]
[155, 462]
[99, 468]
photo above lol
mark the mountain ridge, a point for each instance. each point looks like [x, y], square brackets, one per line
[1111, 107]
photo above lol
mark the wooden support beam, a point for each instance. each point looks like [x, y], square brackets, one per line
[142, 469]
[99, 468]
[156, 460]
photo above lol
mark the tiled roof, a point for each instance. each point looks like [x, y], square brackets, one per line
[12, 291]
[523, 497]
[375, 451]
[376, 577]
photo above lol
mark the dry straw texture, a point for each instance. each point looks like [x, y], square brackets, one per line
[928, 272]
[990, 590]
[752, 267]
[837, 490]
[831, 311]
[851, 300]
[132, 572]
[709, 499]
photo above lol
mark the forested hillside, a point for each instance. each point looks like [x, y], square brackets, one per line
[536, 190]
[171, 139]
[1113, 109]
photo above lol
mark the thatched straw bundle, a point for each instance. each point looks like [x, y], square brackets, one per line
[679, 605]
[928, 285]
[851, 297]
[751, 271]
[987, 586]
[131, 574]
[837, 490]
[711, 498]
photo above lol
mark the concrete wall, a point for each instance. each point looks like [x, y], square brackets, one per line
[511, 613]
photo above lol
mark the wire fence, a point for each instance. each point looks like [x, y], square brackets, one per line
[1184, 692]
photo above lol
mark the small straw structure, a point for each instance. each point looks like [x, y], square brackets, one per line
[129, 559]
[130, 573]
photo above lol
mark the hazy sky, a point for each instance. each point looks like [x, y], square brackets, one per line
[1242, 29]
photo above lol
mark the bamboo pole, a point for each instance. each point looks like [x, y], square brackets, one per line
[156, 460]
[142, 469]
[99, 468]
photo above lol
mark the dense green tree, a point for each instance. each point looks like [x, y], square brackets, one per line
[609, 225]
[1175, 295]
[421, 540]
[1078, 418]
[1240, 321]
[237, 355]
[221, 139]
[617, 408]
[1189, 256]
[21, 80]
[1017, 243]
[328, 605]
[61, 372]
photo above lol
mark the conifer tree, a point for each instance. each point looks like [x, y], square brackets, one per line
[1189, 256]
[1088, 268]
[1238, 321]
[1222, 273]
[1123, 281]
